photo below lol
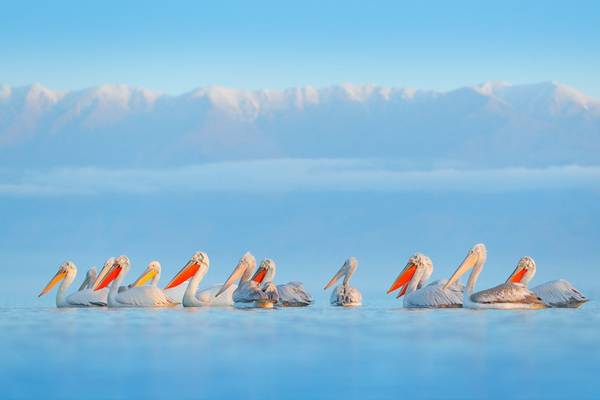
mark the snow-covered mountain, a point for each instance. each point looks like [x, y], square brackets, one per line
[492, 124]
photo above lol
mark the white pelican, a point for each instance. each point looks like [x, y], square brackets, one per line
[504, 296]
[194, 271]
[412, 280]
[136, 296]
[82, 298]
[558, 293]
[344, 294]
[248, 293]
[90, 278]
[291, 294]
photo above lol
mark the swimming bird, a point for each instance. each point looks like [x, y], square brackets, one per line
[344, 294]
[504, 296]
[412, 281]
[82, 298]
[291, 294]
[557, 293]
[194, 271]
[136, 296]
[249, 293]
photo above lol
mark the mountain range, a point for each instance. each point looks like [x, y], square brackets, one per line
[494, 124]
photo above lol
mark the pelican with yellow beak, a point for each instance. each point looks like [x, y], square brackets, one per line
[345, 295]
[557, 293]
[84, 297]
[194, 271]
[506, 296]
[411, 283]
[249, 293]
[137, 295]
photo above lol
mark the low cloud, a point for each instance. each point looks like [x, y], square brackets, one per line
[284, 175]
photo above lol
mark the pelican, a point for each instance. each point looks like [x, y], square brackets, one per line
[412, 280]
[137, 295]
[558, 293]
[344, 294]
[194, 271]
[84, 297]
[291, 294]
[248, 293]
[504, 296]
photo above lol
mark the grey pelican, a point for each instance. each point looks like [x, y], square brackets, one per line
[504, 296]
[412, 281]
[557, 293]
[291, 294]
[344, 294]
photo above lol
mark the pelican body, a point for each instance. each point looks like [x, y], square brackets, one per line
[291, 294]
[504, 296]
[557, 293]
[411, 283]
[345, 295]
[83, 297]
[249, 293]
[193, 272]
[137, 295]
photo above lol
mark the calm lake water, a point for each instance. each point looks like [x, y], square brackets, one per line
[376, 351]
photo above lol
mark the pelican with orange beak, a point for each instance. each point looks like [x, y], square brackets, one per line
[506, 296]
[137, 295]
[345, 295]
[193, 272]
[249, 293]
[291, 294]
[411, 283]
[84, 297]
[557, 293]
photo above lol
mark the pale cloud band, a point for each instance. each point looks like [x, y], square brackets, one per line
[285, 175]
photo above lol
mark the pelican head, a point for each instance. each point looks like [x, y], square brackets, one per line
[346, 271]
[66, 270]
[89, 280]
[242, 271]
[475, 259]
[120, 266]
[524, 271]
[198, 262]
[152, 272]
[419, 266]
[265, 272]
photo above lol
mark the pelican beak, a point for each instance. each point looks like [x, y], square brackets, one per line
[60, 275]
[107, 266]
[259, 276]
[184, 274]
[111, 275]
[85, 283]
[517, 274]
[235, 275]
[468, 263]
[338, 275]
[403, 279]
[147, 275]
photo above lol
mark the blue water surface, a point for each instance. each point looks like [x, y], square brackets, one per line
[379, 350]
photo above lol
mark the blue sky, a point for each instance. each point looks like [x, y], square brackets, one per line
[175, 47]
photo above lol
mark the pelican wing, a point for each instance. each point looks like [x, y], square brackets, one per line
[207, 296]
[293, 294]
[248, 292]
[89, 298]
[559, 293]
[345, 295]
[507, 293]
[145, 296]
[435, 296]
